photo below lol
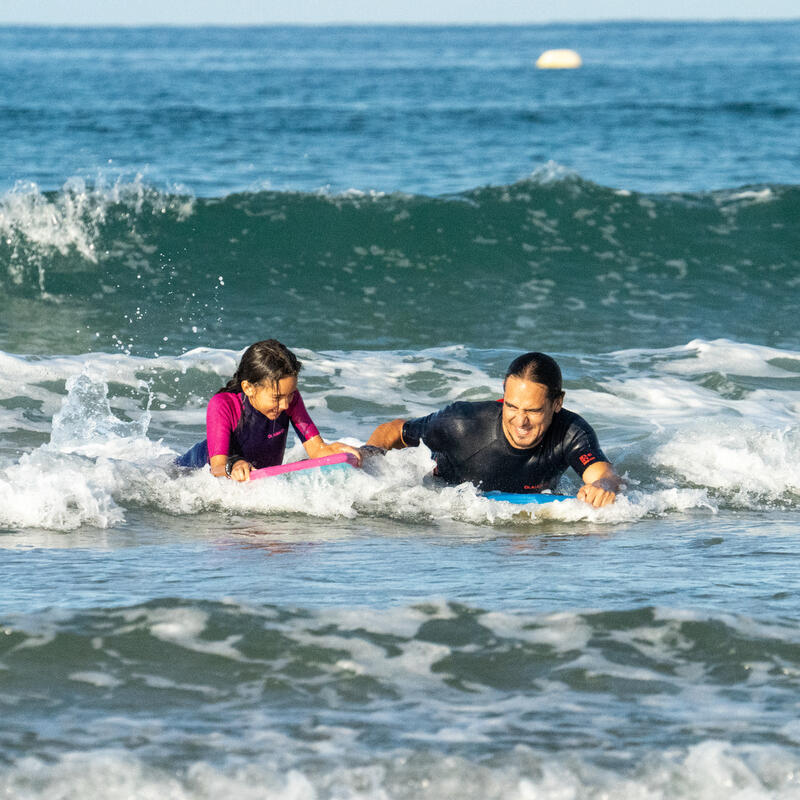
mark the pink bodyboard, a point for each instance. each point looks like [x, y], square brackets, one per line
[309, 463]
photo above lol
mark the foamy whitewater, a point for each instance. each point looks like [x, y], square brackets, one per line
[407, 223]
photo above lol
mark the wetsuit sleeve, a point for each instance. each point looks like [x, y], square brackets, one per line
[430, 429]
[413, 430]
[222, 417]
[301, 421]
[581, 446]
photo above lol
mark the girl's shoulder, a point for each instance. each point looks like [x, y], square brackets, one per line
[226, 402]
[297, 403]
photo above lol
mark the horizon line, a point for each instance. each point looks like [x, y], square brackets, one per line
[398, 23]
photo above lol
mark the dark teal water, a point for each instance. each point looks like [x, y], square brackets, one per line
[553, 261]
[408, 209]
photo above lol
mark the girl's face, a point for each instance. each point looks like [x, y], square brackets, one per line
[271, 399]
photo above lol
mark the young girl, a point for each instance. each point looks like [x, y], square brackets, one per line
[247, 421]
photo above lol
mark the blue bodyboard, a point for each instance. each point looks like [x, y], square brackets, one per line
[527, 499]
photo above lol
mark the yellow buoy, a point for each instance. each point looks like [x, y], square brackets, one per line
[559, 59]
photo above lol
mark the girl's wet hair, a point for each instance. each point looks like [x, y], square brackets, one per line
[537, 368]
[264, 363]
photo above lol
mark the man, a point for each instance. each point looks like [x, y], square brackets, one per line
[523, 443]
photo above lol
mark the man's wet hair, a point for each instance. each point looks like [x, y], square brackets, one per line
[537, 368]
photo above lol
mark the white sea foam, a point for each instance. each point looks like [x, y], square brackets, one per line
[745, 626]
[183, 626]
[563, 631]
[684, 444]
[705, 771]
[35, 224]
[739, 439]
[58, 493]
[719, 355]
[743, 460]
[764, 195]
[72, 480]
[18, 370]
[438, 693]
[553, 172]
[413, 668]
[100, 679]
[69, 220]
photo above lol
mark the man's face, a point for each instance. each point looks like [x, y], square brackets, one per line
[527, 411]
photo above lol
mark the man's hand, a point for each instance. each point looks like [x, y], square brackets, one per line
[597, 494]
[600, 485]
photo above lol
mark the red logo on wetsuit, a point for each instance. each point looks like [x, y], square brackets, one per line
[587, 458]
[277, 433]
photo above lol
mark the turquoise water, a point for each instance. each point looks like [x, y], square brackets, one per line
[408, 209]
[665, 107]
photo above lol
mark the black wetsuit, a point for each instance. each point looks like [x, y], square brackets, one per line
[468, 443]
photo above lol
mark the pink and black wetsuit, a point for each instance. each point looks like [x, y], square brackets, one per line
[235, 428]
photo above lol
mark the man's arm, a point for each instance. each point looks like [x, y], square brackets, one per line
[389, 435]
[600, 484]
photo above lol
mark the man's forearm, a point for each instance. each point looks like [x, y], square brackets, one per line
[389, 435]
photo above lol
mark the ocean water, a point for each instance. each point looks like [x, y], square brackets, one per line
[408, 209]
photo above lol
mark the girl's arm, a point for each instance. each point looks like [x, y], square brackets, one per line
[314, 444]
[222, 417]
[218, 465]
[316, 447]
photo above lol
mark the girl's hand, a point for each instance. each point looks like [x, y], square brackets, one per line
[341, 447]
[240, 471]
[317, 448]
